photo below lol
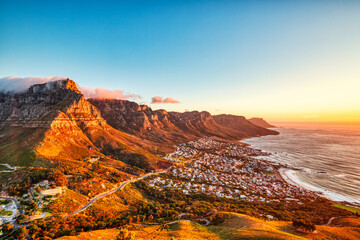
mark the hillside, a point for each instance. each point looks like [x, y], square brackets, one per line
[237, 227]
[260, 122]
[242, 125]
[57, 122]
[172, 127]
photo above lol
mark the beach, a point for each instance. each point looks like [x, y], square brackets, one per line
[291, 177]
[323, 160]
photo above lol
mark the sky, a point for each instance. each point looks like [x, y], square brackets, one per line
[280, 60]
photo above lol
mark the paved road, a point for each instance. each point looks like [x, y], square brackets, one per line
[11, 169]
[16, 226]
[16, 203]
[122, 185]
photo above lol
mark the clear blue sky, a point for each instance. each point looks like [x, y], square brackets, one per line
[277, 59]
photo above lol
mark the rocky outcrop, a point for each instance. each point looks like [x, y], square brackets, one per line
[260, 122]
[41, 105]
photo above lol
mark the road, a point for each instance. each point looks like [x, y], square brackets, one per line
[122, 185]
[16, 203]
[16, 226]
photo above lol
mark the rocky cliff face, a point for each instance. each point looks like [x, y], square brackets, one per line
[41, 105]
[65, 123]
[173, 127]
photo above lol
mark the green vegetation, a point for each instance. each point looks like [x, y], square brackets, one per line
[27, 158]
[20, 181]
[132, 159]
[318, 210]
[20, 144]
[3, 167]
[5, 202]
[351, 209]
[4, 212]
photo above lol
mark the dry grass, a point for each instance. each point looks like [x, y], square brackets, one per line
[117, 202]
[107, 234]
[67, 203]
[237, 227]
[181, 231]
[240, 226]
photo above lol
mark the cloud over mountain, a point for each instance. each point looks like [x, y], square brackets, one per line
[14, 84]
[158, 99]
[103, 93]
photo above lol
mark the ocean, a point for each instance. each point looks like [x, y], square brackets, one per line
[328, 156]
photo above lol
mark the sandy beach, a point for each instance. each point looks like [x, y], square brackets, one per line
[291, 177]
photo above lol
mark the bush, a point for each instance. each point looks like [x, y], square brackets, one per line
[304, 225]
[124, 234]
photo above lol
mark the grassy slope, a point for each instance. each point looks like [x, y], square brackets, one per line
[119, 201]
[237, 227]
[240, 226]
[351, 209]
[67, 203]
[18, 149]
[181, 230]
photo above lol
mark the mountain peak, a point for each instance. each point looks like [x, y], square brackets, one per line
[70, 84]
[54, 86]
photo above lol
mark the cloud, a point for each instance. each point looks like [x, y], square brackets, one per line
[103, 93]
[158, 99]
[15, 84]
[170, 100]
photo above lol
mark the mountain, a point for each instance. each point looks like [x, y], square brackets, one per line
[260, 122]
[241, 124]
[54, 121]
[173, 127]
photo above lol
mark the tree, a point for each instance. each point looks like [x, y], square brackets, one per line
[21, 233]
[124, 234]
[304, 225]
[58, 177]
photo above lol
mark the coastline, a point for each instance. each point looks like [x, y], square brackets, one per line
[289, 175]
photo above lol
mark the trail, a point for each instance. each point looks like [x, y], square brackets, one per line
[122, 185]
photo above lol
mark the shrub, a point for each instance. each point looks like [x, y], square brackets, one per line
[304, 225]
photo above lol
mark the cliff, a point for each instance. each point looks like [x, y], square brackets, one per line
[173, 127]
[57, 122]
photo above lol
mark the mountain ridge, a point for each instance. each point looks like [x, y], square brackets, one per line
[260, 122]
[163, 126]
[67, 125]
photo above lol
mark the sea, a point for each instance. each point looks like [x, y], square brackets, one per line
[327, 157]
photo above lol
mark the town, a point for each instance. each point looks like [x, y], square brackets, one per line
[227, 170]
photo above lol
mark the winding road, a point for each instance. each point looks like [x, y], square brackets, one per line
[16, 226]
[101, 195]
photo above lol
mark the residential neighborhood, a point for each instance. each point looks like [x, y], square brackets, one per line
[227, 170]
